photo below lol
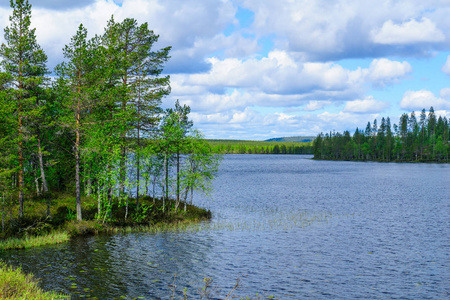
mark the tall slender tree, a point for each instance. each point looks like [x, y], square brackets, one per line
[135, 75]
[25, 62]
[77, 78]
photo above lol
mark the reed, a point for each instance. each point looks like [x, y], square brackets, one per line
[15, 284]
[55, 237]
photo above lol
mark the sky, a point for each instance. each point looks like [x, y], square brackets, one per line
[258, 69]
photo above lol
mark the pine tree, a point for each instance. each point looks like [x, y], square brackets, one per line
[432, 129]
[77, 78]
[134, 72]
[422, 123]
[25, 62]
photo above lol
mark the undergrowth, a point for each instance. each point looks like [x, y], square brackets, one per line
[37, 229]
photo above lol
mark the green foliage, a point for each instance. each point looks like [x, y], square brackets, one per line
[425, 140]
[260, 147]
[99, 123]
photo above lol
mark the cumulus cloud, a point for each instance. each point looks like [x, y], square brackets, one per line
[369, 105]
[219, 125]
[330, 30]
[268, 77]
[282, 80]
[445, 93]
[279, 73]
[412, 31]
[316, 105]
[418, 100]
[192, 27]
[384, 71]
[343, 121]
[55, 4]
[446, 66]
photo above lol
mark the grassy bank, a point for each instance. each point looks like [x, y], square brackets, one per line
[37, 229]
[34, 241]
[260, 147]
[14, 284]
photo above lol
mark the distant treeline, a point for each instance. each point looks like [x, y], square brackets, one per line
[259, 147]
[423, 139]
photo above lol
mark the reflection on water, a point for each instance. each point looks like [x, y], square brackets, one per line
[286, 226]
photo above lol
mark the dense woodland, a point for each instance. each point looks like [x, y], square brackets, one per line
[94, 122]
[414, 139]
[259, 147]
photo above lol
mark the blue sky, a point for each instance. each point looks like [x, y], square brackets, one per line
[257, 69]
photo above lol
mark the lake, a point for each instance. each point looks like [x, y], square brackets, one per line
[283, 225]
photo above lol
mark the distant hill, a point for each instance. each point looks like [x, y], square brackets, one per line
[297, 139]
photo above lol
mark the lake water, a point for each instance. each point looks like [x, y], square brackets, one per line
[284, 225]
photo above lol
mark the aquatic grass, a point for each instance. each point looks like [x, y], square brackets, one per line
[14, 284]
[271, 222]
[55, 237]
[189, 225]
[36, 229]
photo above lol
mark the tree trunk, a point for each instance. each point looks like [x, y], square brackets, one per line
[178, 180]
[154, 189]
[138, 173]
[126, 210]
[146, 186]
[186, 191]
[36, 181]
[3, 213]
[166, 175]
[89, 185]
[122, 170]
[99, 202]
[77, 179]
[41, 165]
[21, 181]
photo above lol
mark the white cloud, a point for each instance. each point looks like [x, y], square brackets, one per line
[384, 71]
[56, 4]
[192, 27]
[445, 93]
[369, 105]
[280, 80]
[442, 113]
[418, 100]
[329, 30]
[278, 73]
[412, 31]
[316, 105]
[237, 84]
[343, 121]
[446, 66]
[208, 102]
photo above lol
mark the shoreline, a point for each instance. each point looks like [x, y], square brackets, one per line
[36, 230]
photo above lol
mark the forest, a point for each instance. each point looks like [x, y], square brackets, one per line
[94, 126]
[423, 139]
[259, 147]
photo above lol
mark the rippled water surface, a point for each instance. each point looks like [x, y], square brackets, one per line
[284, 225]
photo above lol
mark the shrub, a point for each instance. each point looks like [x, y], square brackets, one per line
[76, 228]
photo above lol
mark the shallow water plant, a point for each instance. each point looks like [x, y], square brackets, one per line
[56, 237]
[14, 284]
